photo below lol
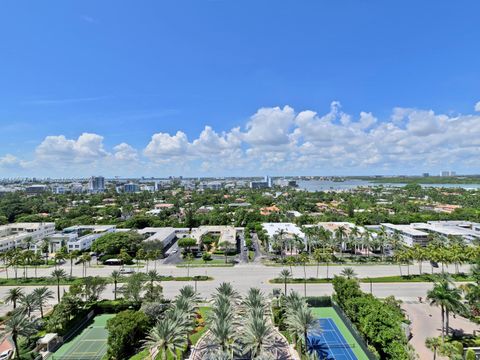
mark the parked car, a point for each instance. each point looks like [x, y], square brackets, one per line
[126, 271]
[6, 355]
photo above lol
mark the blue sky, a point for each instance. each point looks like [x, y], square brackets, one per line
[253, 72]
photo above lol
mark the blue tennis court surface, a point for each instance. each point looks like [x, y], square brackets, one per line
[329, 342]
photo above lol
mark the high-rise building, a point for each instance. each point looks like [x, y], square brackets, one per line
[96, 184]
[268, 180]
[131, 188]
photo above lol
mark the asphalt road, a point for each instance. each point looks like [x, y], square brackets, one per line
[244, 276]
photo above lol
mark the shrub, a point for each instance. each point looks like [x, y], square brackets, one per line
[380, 322]
[125, 333]
[470, 355]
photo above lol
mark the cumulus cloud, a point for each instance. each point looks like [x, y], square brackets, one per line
[477, 106]
[125, 152]
[164, 146]
[9, 160]
[269, 126]
[86, 148]
[281, 140]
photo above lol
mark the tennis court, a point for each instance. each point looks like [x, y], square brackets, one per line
[90, 344]
[334, 341]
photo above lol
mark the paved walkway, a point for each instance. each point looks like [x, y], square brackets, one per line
[426, 322]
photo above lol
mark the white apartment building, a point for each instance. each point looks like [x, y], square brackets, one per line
[14, 235]
[86, 235]
[409, 234]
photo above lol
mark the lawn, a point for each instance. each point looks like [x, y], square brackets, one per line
[209, 263]
[44, 281]
[382, 279]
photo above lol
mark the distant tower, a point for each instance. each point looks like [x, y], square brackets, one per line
[268, 180]
[96, 184]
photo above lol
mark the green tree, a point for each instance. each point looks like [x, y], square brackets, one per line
[300, 321]
[42, 295]
[187, 243]
[112, 243]
[125, 330]
[115, 277]
[285, 275]
[445, 297]
[188, 260]
[168, 335]
[13, 296]
[29, 303]
[226, 247]
[19, 325]
[349, 273]
[58, 275]
[132, 289]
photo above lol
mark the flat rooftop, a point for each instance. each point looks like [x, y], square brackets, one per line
[289, 229]
[227, 233]
[405, 229]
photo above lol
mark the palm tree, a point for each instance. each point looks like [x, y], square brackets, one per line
[318, 257]
[304, 259]
[29, 303]
[72, 255]
[168, 335]
[226, 247]
[257, 333]
[188, 259]
[340, 234]
[28, 256]
[433, 344]
[19, 325]
[447, 298]
[300, 321]
[13, 296]
[285, 275]
[45, 249]
[58, 275]
[153, 276]
[115, 277]
[86, 258]
[222, 318]
[42, 294]
[349, 273]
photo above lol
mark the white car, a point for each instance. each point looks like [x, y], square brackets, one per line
[123, 271]
[6, 355]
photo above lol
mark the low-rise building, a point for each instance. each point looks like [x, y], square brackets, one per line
[409, 234]
[286, 230]
[226, 233]
[165, 235]
[14, 235]
[86, 235]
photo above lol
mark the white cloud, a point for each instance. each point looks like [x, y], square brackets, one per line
[280, 140]
[125, 152]
[269, 126]
[87, 148]
[477, 106]
[164, 146]
[9, 160]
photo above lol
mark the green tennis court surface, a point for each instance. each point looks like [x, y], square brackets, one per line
[339, 341]
[90, 344]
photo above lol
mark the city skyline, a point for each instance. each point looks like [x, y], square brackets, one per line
[311, 89]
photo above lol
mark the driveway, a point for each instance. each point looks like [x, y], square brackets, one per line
[426, 322]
